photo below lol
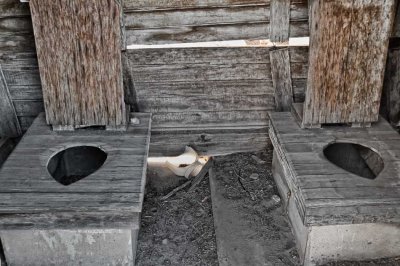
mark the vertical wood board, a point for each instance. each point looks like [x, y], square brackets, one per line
[280, 20]
[348, 49]
[391, 99]
[281, 79]
[79, 52]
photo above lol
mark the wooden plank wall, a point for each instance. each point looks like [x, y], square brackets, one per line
[172, 21]
[214, 93]
[18, 60]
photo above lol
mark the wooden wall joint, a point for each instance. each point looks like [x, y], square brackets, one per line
[281, 79]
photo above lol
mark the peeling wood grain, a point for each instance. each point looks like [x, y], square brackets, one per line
[280, 20]
[80, 61]
[348, 48]
[9, 124]
[282, 79]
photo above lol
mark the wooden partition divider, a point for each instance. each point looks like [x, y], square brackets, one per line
[348, 49]
[78, 45]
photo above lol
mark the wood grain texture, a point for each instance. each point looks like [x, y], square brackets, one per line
[280, 20]
[160, 22]
[282, 79]
[348, 49]
[391, 93]
[80, 61]
[209, 87]
[326, 194]
[9, 124]
[209, 141]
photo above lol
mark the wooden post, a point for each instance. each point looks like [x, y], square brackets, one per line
[348, 49]
[391, 94]
[280, 20]
[9, 124]
[281, 79]
[78, 44]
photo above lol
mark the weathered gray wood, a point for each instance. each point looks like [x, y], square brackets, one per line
[280, 20]
[146, 5]
[80, 61]
[209, 141]
[348, 49]
[391, 94]
[208, 33]
[6, 147]
[157, 22]
[282, 79]
[9, 125]
[396, 29]
[11, 8]
[326, 194]
[209, 87]
[115, 190]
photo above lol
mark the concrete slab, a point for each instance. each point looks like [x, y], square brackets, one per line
[69, 247]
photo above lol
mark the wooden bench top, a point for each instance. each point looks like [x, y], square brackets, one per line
[327, 194]
[112, 196]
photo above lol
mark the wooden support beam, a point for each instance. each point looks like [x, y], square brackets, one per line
[281, 79]
[9, 124]
[391, 92]
[396, 28]
[280, 20]
[348, 48]
[79, 56]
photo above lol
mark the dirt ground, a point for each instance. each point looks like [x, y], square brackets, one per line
[249, 214]
[180, 230]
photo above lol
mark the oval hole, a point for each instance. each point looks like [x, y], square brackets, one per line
[73, 164]
[355, 158]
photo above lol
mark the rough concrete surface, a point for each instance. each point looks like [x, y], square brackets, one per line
[69, 247]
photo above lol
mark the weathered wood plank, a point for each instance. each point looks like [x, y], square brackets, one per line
[80, 61]
[115, 190]
[6, 147]
[9, 124]
[348, 48]
[28, 108]
[327, 194]
[140, 5]
[280, 20]
[282, 80]
[211, 142]
[391, 93]
[396, 28]
[208, 87]
[209, 33]
[11, 8]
